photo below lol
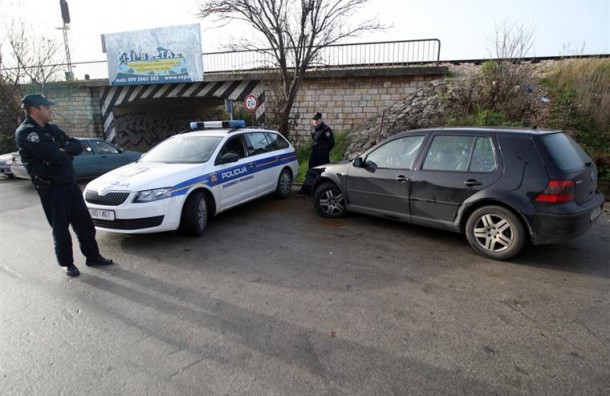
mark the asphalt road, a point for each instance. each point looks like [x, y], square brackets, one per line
[274, 300]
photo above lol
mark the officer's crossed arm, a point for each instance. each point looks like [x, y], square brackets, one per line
[71, 145]
[42, 148]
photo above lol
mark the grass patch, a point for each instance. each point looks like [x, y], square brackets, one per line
[580, 93]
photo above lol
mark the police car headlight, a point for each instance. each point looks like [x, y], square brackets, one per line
[153, 195]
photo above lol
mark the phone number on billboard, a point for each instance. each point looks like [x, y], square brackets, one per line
[145, 79]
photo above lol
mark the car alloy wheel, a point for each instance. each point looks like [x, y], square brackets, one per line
[329, 201]
[495, 232]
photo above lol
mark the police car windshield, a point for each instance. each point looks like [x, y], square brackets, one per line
[183, 150]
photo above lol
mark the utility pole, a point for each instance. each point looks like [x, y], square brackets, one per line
[65, 15]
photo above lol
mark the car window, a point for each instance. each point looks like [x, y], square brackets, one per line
[258, 143]
[87, 149]
[567, 154]
[483, 157]
[277, 141]
[102, 147]
[183, 149]
[449, 153]
[396, 154]
[234, 145]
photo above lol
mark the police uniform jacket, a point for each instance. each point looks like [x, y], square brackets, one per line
[323, 140]
[47, 152]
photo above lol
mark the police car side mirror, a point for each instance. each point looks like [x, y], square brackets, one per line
[229, 157]
[358, 162]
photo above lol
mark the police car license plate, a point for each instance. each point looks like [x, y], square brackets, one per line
[102, 214]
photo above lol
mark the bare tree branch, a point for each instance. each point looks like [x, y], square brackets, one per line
[26, 63]
[295, 31]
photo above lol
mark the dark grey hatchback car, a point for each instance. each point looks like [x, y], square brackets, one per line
[502, 187]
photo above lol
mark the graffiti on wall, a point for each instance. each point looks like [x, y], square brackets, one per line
[141, 131]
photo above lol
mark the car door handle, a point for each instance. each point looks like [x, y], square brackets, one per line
[472, 182]
[251, 165]
[401, 178]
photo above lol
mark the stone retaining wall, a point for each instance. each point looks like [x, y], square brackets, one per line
[77, 110]
[348, 102]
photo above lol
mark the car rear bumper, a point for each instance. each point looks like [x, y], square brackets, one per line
[564, 222]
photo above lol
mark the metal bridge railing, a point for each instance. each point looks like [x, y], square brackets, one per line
[355, 55]
[387, 53]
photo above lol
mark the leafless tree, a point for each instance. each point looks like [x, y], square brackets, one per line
[27, 63]
[508, 71]
[295, 30]
[30, 61]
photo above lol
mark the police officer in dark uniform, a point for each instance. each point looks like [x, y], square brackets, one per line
[47, 152]
[322, 143]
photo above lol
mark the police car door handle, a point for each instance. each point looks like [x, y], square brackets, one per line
[401, 178]
[251, 165]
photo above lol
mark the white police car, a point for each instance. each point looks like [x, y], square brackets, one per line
[187, 177]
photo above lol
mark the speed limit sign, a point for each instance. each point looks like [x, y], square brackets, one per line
[250, 103]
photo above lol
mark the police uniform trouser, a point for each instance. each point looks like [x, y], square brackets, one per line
[318, 158]
[64, 206]
[315, 158]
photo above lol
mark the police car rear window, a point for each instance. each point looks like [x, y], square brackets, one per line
[183, 149]
[277, 141]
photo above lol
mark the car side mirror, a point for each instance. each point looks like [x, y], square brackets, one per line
[229, 157]
[358, 162]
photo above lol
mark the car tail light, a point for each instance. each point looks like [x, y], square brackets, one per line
[557, 191]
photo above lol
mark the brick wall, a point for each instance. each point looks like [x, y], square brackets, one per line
[347, 102]
[78, 109]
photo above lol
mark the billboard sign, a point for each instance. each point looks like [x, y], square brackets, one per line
[154, 56]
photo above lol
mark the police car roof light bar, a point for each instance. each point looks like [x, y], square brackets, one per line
[218, 124]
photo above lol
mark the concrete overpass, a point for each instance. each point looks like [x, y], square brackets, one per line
[348, 88]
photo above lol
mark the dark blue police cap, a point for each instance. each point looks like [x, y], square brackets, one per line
[317, 116]
[36, 99]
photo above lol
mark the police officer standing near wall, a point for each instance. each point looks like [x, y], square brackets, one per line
[47, 152]
[322, 143]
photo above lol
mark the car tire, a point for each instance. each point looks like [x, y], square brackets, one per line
[194, 215]
[495, 232]
[284, 184]
[329, 201]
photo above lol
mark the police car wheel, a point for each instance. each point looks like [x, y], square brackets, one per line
[329, 201]
[194, 215]
[284, 184]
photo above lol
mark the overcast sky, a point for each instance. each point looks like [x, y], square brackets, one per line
[466, 28]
